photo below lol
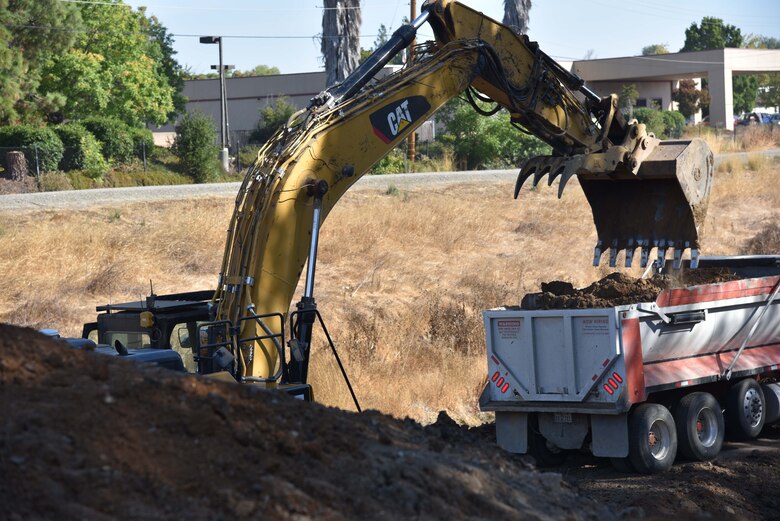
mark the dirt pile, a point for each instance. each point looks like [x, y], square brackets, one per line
[617, 289]
[86, 436]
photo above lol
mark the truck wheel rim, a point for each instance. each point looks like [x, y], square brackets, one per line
[752, 407]
[659, 439]
[707, 427]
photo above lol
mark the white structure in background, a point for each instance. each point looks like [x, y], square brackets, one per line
[655, 77]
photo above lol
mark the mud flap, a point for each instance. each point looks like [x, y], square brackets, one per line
[512, 431]
[610, 435]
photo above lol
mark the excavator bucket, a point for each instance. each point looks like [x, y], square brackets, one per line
[660, 207]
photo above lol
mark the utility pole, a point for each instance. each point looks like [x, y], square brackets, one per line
[223, 154]
[410, 61]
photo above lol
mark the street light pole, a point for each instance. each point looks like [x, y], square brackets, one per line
[223, 154]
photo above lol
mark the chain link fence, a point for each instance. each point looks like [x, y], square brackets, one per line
[768, 131]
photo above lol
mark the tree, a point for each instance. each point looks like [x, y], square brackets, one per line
[628, 96]
[161, 49]
[125, 66]
[714, 34]
[31, 31]
[769, 92]
[271, 118]
[656, 48]
[516, 15]
[486, 142]
[258, 70]
[340, 44]
[690, 99]
[196, 146]
[711, 34]
[381, 39]
[768, 84]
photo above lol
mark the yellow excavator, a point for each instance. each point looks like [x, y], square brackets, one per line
[645, 194]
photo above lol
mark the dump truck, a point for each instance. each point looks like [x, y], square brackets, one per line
[644, 382]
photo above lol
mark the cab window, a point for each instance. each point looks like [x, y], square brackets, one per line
[129, 339]
[181, 342]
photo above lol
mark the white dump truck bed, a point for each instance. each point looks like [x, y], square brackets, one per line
[606, 359]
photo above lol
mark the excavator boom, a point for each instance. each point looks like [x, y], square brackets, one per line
[644, 193]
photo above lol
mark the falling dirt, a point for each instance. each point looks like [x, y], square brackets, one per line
[617, 289]
[87, 436]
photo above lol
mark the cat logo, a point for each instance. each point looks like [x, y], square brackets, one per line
[391, 120]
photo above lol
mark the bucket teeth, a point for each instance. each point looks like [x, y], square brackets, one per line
[630, 253]
[597, 253]
[540, 172]
[551, 166]
[661, 260]
[613, 252]
[694, 258]
[677, 258]
[646, 248]
[645, 253]
[526, 172]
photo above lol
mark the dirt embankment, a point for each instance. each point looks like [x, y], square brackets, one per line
[86, 436]
[617, 289]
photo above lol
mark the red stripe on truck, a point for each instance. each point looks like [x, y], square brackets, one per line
[685, 369]
[712, 292]
[632, 349]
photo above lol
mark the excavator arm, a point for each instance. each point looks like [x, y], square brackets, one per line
[323, 150]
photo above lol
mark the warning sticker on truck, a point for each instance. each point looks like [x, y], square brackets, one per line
[509, 329]
[595, 326]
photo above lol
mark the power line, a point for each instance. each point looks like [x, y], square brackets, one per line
[199, 8]
[233, 36]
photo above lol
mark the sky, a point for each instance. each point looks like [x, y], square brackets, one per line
[283, 33]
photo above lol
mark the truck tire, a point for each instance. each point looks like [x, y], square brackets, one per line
[745, 410]
[545, 453]
[700, 426]
[652, 439]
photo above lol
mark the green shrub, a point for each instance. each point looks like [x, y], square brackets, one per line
[82, 151]
[80, 180]
[34, 141]
[117, 178]
[392, 163]
[142, 140]
[486, 142]
[653, 119]
[196, 147]
[271, 118]
[115, 137]
[55, 182]
[674, 122]
[247, 155]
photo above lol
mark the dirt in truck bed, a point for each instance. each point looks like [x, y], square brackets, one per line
[617, 289]
[85, 436]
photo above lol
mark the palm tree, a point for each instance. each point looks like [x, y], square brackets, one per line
[516, 15]
[340, 46]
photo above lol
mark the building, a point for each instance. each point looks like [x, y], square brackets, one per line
[655, 77]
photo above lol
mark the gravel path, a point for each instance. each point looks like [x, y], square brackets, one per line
[101, 197]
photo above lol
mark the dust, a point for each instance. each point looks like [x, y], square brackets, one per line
[617, 289]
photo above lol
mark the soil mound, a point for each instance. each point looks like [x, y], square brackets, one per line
[87, 436]
[617, 289]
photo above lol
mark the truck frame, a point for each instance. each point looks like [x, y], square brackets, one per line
[634, 382]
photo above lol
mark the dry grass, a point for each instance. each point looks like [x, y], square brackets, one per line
[402, 279]
[746, 139]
